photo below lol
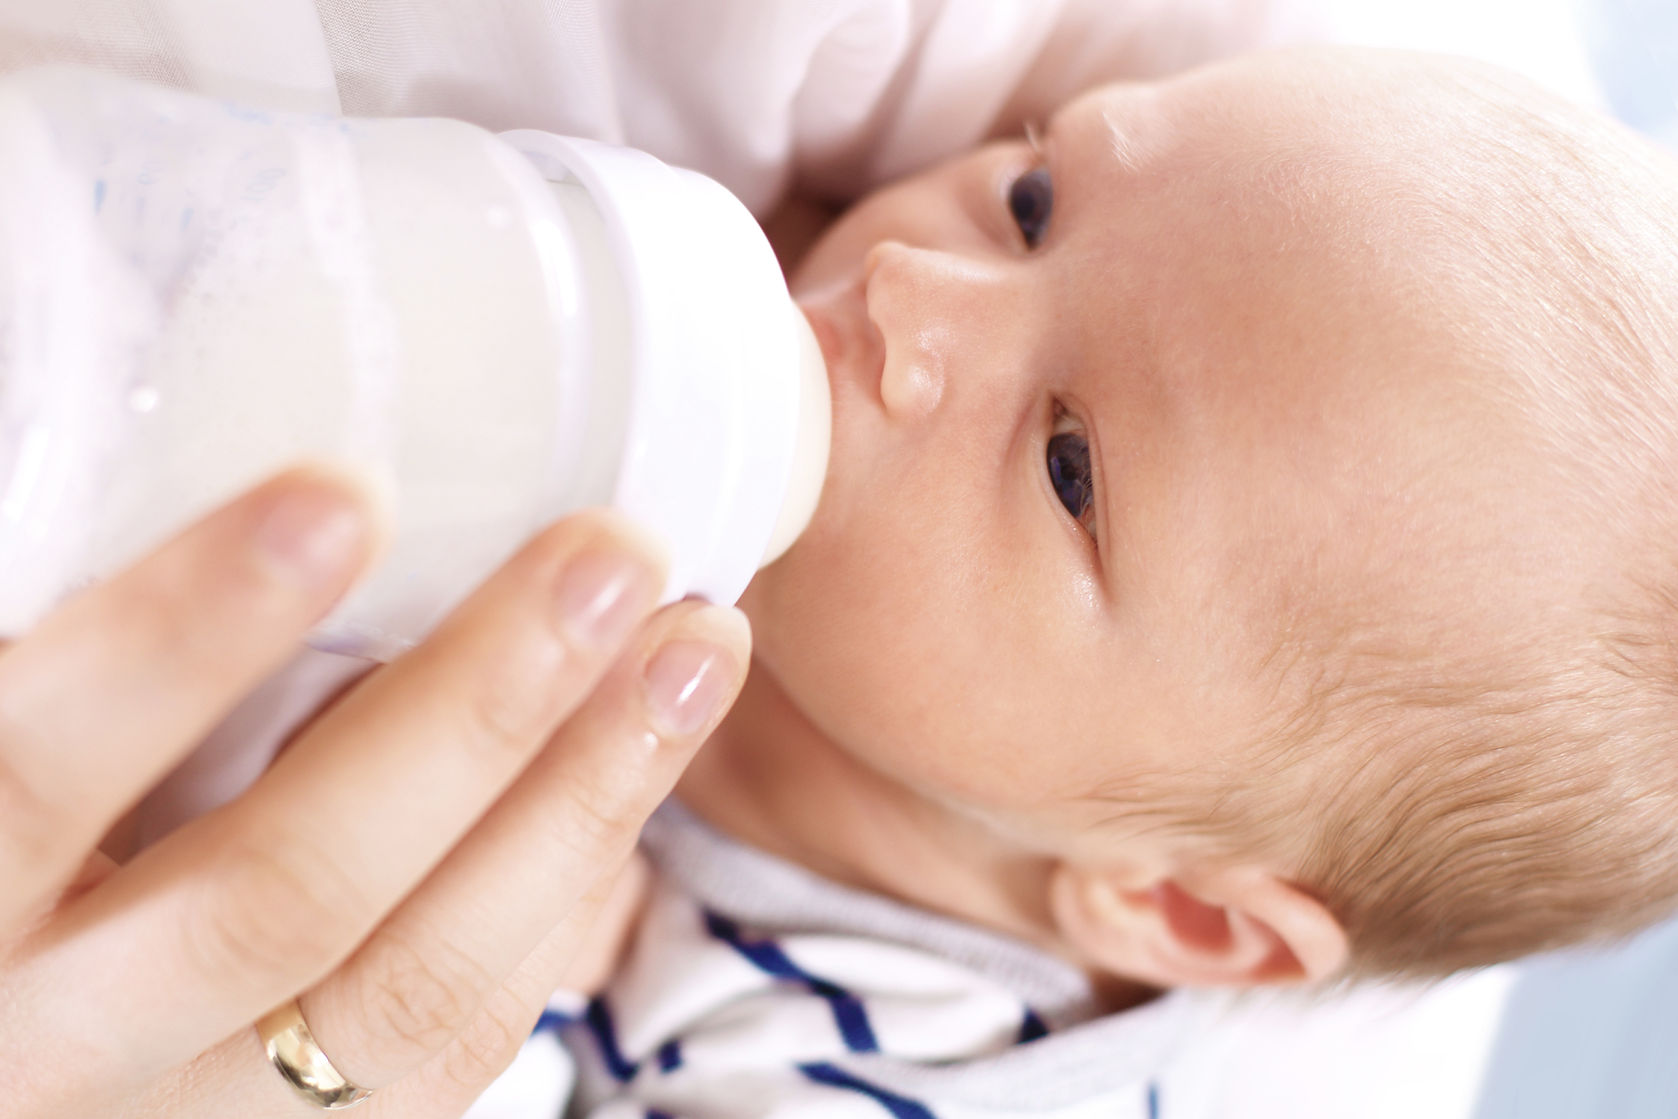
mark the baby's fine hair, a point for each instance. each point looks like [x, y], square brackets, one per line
[1467, 806]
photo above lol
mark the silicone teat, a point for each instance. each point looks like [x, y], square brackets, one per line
[813, 440]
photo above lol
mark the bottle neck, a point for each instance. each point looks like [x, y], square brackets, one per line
[723, 446]
[596, 374]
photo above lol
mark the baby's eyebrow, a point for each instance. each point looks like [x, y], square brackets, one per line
[1034, 138]
[1120, 142]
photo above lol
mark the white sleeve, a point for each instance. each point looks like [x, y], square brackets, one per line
[972, 69]
[128, 37]
[835, 95]
[839, 96]
[269, 52]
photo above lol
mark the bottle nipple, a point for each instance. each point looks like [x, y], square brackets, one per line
[812, 442]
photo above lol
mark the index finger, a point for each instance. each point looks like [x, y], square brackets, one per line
[248, 905]
[101, 699]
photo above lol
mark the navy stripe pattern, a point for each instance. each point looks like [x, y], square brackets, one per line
[855, 1031]
[899, 1107]
[767, 956]
[552, 1021]
[599, 1021]
[1032, 1028]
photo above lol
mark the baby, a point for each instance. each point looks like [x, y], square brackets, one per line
[1250, 551]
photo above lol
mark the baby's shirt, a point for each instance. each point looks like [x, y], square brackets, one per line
[753, 988]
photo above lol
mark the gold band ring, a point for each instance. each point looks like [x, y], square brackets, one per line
[289, 1044]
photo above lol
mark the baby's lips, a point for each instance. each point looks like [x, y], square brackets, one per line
[825, 329]
[847, 359]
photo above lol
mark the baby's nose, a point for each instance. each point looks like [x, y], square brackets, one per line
[923, 303]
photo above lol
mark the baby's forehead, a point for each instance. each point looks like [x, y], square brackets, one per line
[1425, 318]
[1362, 282]
[1318, 128]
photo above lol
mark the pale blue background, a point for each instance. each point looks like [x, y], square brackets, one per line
[1635, 46]
[1590, 1034]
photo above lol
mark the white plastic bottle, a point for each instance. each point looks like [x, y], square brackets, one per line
[502, 329]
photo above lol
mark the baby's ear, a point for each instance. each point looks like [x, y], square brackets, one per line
[1238, 927]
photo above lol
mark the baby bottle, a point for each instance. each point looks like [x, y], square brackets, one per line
[496, 329]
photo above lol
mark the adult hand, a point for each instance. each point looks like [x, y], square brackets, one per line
[418, 865]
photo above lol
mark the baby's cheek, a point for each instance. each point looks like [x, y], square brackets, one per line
[892, 633]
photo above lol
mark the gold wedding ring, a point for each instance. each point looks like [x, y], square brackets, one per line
[289, 1044]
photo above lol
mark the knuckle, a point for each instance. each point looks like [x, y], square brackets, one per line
[276, 908]
[580, 830]
[483, 1049]
[33, 829]
[596, 815]
[510, 707]
[498, 720]
[412, 1000]
[183, 612]
[200, 604]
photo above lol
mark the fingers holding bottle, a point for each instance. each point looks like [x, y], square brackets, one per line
[242, 909]
[383, 788]
[108, 692]
[436, 1001]
[567, 825]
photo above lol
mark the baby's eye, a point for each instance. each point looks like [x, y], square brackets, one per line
[1068, 459]
[1030, 198]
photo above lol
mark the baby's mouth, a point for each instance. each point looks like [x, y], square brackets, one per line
[839, 321]
[827, 334]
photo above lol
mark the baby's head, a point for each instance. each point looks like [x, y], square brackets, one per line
[1254, 509]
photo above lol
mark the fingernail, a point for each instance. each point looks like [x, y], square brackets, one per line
[316, 532]
[603, 595]
[687, 682]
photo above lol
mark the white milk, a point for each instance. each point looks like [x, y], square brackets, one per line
[194, 295]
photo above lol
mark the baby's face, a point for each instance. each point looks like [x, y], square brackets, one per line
[1110, 422]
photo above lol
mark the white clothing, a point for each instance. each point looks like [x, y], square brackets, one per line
[835, 95]
[756, 990]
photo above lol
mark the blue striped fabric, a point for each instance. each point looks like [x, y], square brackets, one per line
[1153, 1101]
[552, 1021]
[767, 956]
[599, 1020]
[899, 1107]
